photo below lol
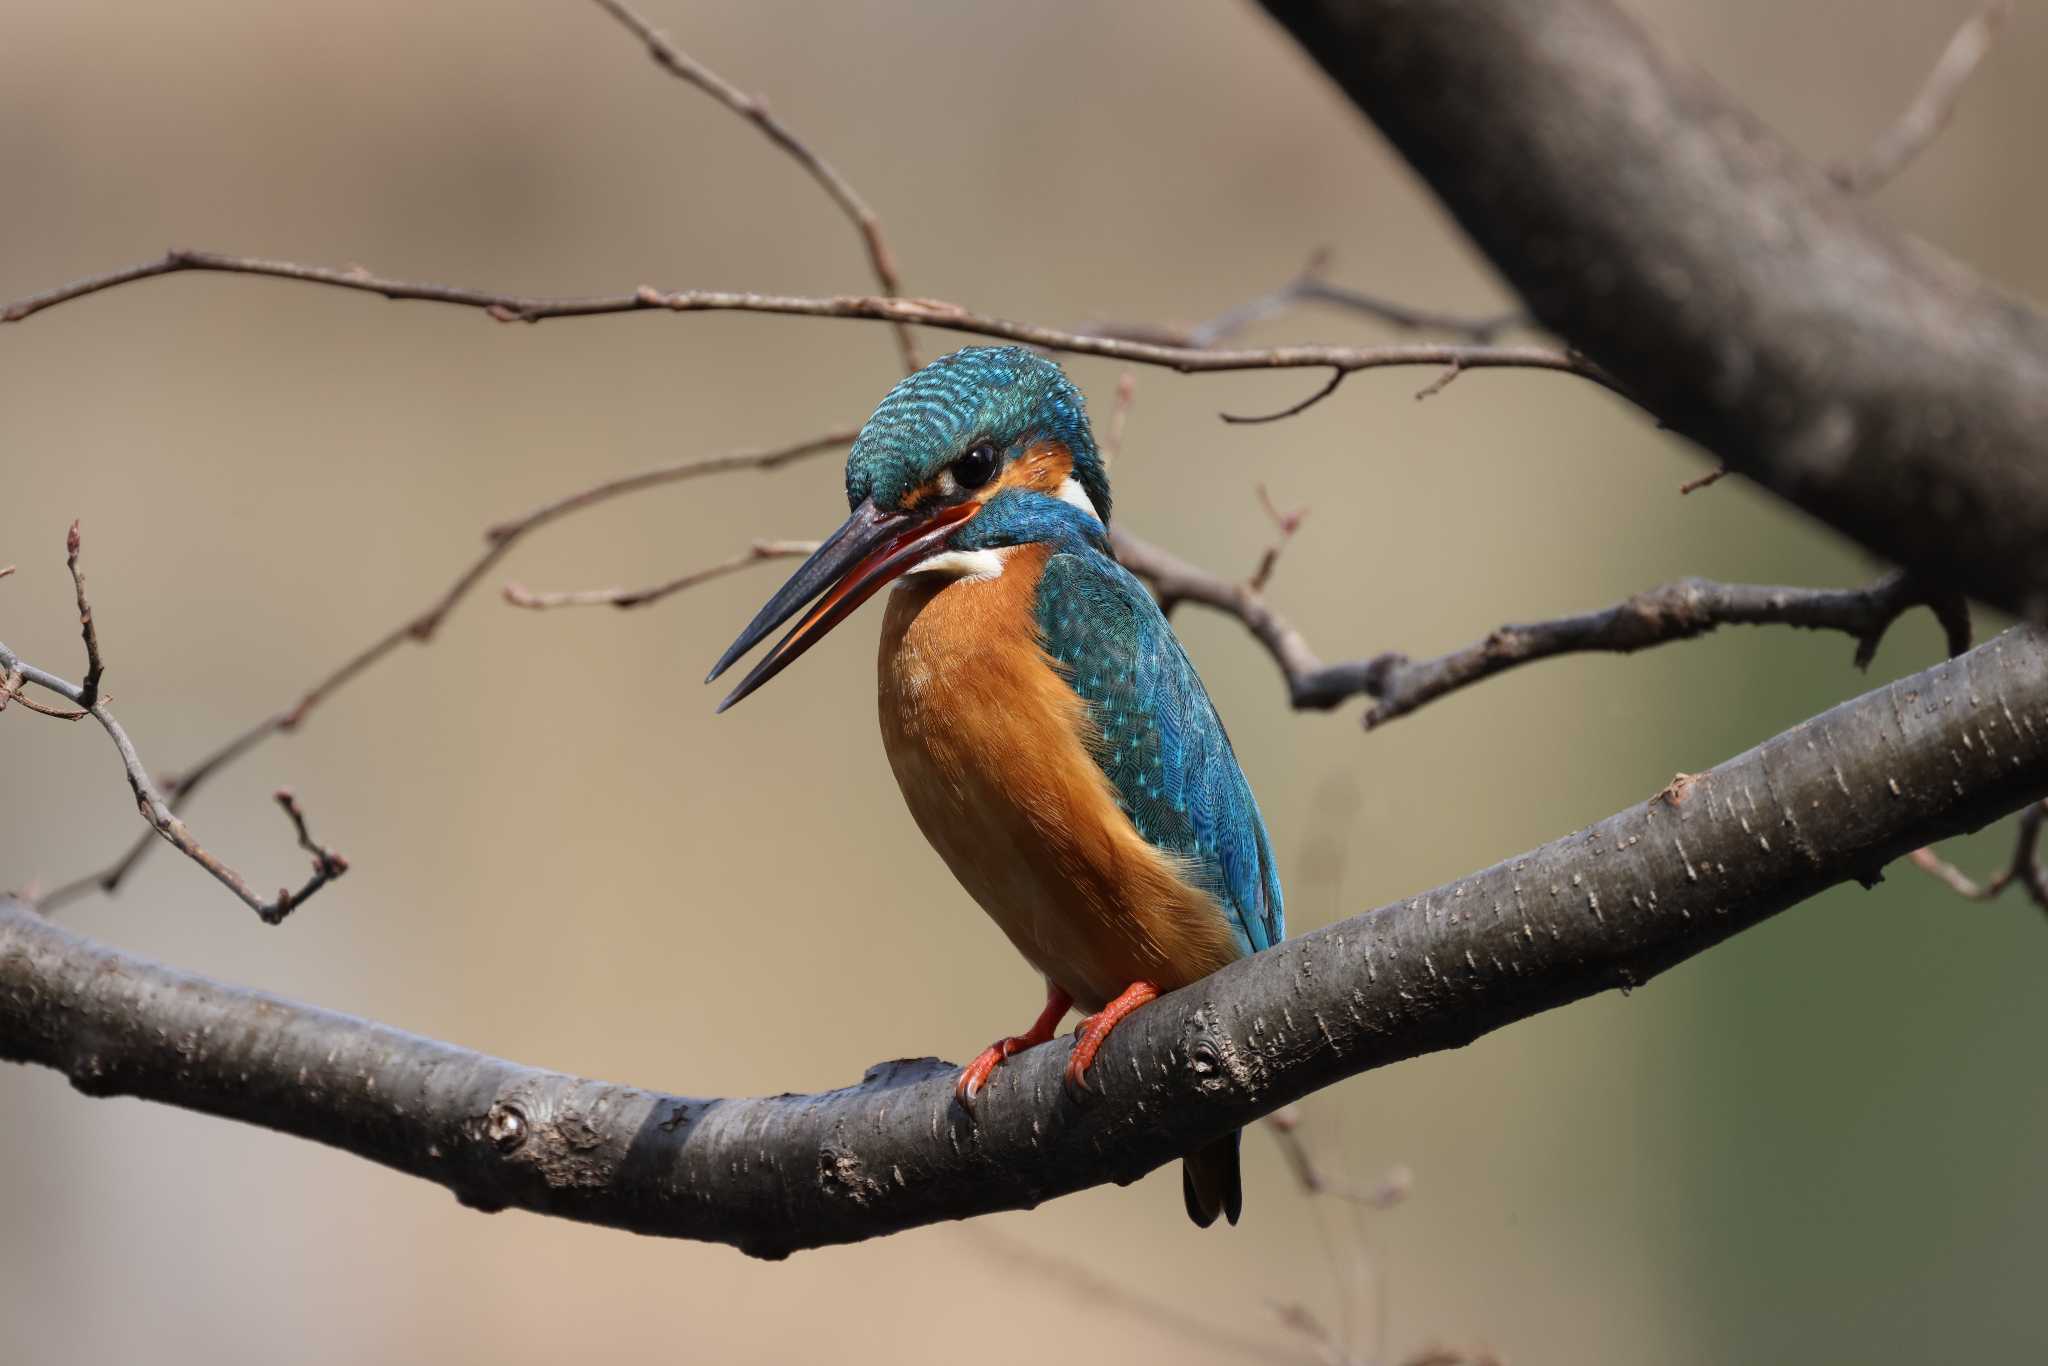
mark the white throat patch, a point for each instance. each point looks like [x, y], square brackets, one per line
[988, 564]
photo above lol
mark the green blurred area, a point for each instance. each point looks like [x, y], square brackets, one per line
[1819, 1142]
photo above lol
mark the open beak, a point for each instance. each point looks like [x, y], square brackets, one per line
[852, 565]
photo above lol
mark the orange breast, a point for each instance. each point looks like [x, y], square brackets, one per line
[989, 745]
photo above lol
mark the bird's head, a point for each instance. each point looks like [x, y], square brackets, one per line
[988, 426]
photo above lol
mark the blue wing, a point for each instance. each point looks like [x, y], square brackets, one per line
[1161, 744]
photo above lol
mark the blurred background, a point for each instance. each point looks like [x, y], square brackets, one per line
[1822, 1141]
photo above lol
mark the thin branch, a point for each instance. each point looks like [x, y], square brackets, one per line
[1286, 524]
[927, 312]
[1610, 906]
[1337, 377]
[1100, 1292]
[163, 820]
[1707, 480]
[1119, 416]
[89, 691]
[1311, 285]
[1932, 106]
[521, 596]
[1285, 1126]
[680, 64]
[5, 570]
[10, 691]
[421, 626]
[2025, 869]
[1674, 611]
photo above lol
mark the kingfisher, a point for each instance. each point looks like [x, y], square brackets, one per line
[1049, 735]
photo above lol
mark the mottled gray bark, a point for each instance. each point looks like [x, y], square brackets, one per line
[1725, 283]
[1833, 799]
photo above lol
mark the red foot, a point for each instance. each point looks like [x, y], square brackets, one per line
[1096, 1028]
[975, 1076]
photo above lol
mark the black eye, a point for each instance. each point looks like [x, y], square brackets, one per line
[977, 467]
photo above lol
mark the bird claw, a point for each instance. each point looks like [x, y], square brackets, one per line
[974, 1077]
[1088, 1040]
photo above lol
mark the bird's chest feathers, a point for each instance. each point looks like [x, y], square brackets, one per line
[990, 746]
[971, 710]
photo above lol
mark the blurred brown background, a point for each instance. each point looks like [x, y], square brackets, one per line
[1821, 1142]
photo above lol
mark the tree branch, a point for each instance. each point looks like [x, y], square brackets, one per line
[933, 313]
[684, 67]
[1672, 612]
[2024, 870]
[1932, 107]
[1833, 799]
[1312, 285]
[420, 627]
[1726, 285]
[1658, 616]
[163, 819]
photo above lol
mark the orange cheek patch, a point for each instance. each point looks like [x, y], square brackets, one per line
[1042, 468]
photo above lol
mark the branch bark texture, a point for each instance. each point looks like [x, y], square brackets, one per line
[1833, 799]
[1726, 284]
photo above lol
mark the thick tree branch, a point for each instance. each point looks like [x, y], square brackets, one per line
[1834, 799]
[1726, 284]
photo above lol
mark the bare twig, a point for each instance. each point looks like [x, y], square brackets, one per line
[1337, 377]
[1286, 523]
[1674, 611]
[89, 692]
[10, 691]
[420, 628]
[1441, 382]
[1932, 106]
[1285, 1126]
[750, 107]
[2024, 870]
[1707, 480]
[927, 312]
[5, 570]
[521, 596]
[1100, 1292]
[1312, 286]
[1119, 416]
[155, 809]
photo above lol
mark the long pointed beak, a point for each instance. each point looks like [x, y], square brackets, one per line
[870, 549]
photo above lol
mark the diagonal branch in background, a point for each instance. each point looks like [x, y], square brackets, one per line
[1727, 286]
[163, 820]
[684, 67]
[421, 626]
[1832, 800]
[1931, 108]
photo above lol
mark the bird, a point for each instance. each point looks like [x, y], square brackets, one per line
[1047, 731]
